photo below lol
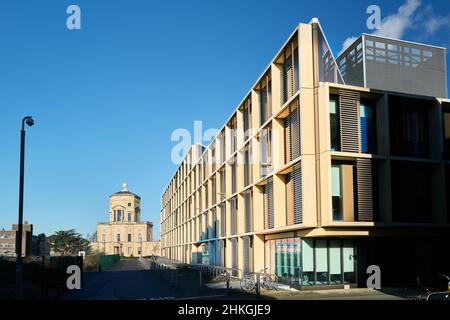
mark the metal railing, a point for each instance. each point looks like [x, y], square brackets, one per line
[171, 270]
[215, 271]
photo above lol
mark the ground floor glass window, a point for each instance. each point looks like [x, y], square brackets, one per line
[311, 261]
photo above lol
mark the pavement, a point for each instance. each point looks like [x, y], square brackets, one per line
[131, 280]
[343, 294]
[125, 280]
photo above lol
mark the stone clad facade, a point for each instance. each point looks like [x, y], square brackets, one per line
[125, 233]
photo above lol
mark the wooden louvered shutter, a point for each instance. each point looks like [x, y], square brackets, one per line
[287, 135]
[233, 225]
[288, 76]
[214, 223]
[246, 166]
[365, 185]
[222, 220]
[221, 253]
[349, 120]
[298, 200]
[213, 190]
[268, 205]
[292, 133]
[234, 253]
[248, 211]
[246, 266]
[295, 132]
[233, 174]
[289, 199]
[294, 196]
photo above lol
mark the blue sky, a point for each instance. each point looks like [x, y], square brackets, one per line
[106, 98]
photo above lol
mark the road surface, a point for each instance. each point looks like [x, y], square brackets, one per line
[127, 280]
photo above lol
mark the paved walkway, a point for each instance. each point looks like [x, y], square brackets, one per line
[129, 280]
[126, 279]
[342, 294]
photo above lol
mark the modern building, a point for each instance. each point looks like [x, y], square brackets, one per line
[125, 233]
[325, 167]
[8, 240]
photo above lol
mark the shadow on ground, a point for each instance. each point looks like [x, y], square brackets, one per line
[128, 280]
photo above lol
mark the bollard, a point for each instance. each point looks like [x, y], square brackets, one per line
[258, 285]
[200, 278]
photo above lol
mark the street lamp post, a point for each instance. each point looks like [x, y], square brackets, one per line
[19, 263]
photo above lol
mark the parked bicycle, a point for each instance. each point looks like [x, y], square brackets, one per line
[439, 291]
[267, 281]
[248, 282]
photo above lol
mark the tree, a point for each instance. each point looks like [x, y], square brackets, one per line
[68, 242]
[93, 237]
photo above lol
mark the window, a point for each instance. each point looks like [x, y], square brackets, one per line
[233, 217]
[222, 142]
[334, 123]
[214, 223]
[247, 115]
[335, 262]
[367, 116]
[446, 119]
[222, 183]
[205, 164]
[292, 133]
[129, 237]
[206, 195]
[265, 99]
[118, 237]
[348, 258]
[233, 134]
[294, 196]
[200, 227]
[269, 220]
[248, 169]
[129, 216]
[248, 211]
[234, 255]
[412, 190]
[266, 151]
[447, 190]
[328, 70]
[409, 126]
[223, 220]
[321, 262]
[213, 157]
[103, 237]
[233, 175]
[290, 80]
[283, 257]
[247, 246]
[342, 186]
[213, 190]
[129, 204]
[139, 237]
